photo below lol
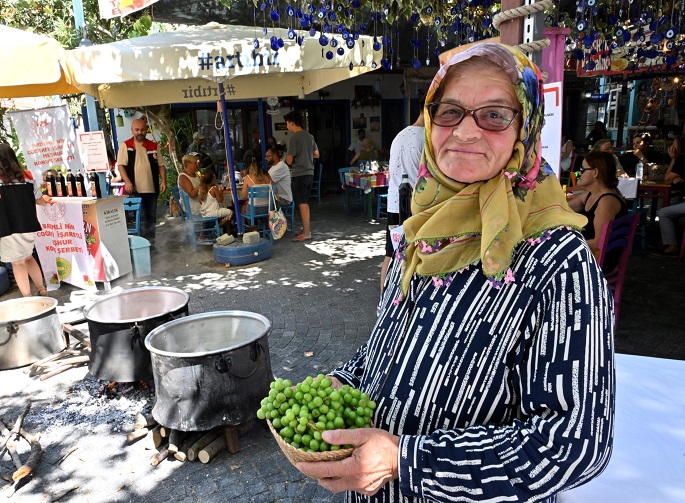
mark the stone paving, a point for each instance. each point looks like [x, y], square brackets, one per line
[321, 299]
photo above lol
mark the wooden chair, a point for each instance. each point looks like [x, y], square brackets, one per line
[258, 215]
[382, 206]
[618, 234]
[196, 225]
[316, 183]
[132, 206]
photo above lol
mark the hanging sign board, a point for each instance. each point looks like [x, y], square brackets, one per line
[93, 151]
[550, 136]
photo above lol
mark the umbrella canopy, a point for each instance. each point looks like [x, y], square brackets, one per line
[32, 65]
[185, 66]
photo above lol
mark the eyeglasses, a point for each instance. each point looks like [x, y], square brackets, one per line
[490, 118]
[583, 170]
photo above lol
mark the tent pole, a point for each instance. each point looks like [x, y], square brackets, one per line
[229, 154]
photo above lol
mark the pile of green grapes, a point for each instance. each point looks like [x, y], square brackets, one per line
[300, 414]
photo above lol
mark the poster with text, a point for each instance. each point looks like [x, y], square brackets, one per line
[47, 139]
[93, 151]
[121, 8]
[61, 245]
[551, 132]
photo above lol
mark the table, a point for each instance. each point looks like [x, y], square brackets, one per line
[366, 182]
[648, 461]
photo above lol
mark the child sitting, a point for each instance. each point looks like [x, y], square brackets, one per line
[211, 196]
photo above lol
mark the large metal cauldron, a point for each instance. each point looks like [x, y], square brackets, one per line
[211, 369]
[29, 331]
[118, 325]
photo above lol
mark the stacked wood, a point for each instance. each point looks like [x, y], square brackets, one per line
[186, 444]
[8, 441]
[205, 440]
[160, 456]
[144, 425]
[72, 357]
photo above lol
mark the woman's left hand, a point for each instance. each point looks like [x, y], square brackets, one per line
[371, 465]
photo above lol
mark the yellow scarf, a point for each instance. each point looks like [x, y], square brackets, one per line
[455, 225]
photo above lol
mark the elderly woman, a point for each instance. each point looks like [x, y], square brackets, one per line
[367, 153]
[189, 181]
[492, 359]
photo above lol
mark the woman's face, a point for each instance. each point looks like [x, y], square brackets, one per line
[638, 143]
[605, 147]
[466, 153]
[587, 174]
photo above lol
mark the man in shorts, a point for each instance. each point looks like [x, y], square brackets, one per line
[302, 152]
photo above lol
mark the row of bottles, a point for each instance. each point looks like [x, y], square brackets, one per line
[73, 185]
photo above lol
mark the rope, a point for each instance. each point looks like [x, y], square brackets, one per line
[522, 11]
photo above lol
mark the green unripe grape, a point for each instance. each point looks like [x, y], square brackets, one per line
[316, 413]
[372, 404]
[277, 423]
[316, 435]
[360, 421]
[335, 447]
[314, 445]
[365, 396]
[305, 388]
[273, 393]
[309, 379]
[269, 406]
[293, 424]
[339, 423]
[301, 428]
[326, 382]
[289, 416]
[297, 438]
[330, 415]
[320, 425]
[323, 446]
[356, 393]
[306, 439]
[280, 397]
[315, 385]
[304, 411]
[318, 401]
[288, 392]
[283, 407]
[299, 395]
[330, 425]
[354, 402]
[287, 432]
[335, 396]
[320, 377]
[287, 383]
[323, 408]
[347, 398]
[261, 414]
[307, 398]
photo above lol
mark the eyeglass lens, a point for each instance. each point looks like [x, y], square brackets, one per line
[491, 118]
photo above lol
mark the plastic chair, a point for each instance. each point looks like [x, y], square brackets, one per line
[289, 213]
[382, 206]
[617, 234]
[132, 205]
[316, 184]
[196, 225]
[258, 215]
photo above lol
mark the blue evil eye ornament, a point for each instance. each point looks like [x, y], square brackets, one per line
[340, 51]
[323, 40]
[350, 43]
[334, 43]
[351, 66]
[329, 55]
[312, 32]
[291, 34]
[255, 43]
[274, 15]
[290, 11]
[376, 45]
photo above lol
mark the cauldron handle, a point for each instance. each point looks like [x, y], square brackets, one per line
[135, 336]
[223, 364]
[12, 329]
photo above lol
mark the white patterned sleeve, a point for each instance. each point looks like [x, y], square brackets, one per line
[352, 371]
[562, 437]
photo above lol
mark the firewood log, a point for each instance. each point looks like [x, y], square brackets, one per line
[17, 426]
[175, 437]
[143, 421]
[136, 434]
[188, 441]
[164, 431]
[33, 459]
[210, 451]
[58, 370]
[153, 439]
[205, 440]
[159, 457]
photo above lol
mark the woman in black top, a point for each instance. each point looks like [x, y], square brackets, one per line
[601, 201]
[641, 152]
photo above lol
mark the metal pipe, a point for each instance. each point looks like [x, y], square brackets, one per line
[229, 155]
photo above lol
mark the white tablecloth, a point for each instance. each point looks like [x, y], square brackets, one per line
[648, 462]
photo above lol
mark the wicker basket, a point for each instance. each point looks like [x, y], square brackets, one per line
[295, 455]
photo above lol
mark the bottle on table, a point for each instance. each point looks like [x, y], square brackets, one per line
[61, 184]
[51, 185]
[94, 180]
[71, 184]
[639, 170]
[405, 198]
[80, 184]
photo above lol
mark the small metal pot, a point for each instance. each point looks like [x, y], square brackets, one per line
[29, 331]
[118, 324]
[211, 369]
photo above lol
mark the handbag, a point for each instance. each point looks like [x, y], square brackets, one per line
[277, 221]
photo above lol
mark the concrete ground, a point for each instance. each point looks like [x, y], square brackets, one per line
[321, 298]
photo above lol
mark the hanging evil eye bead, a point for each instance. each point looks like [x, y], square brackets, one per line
[329, 55]
[312, 32]
[580, 25]
[350, 43]
[300, 41]
[255, 43]
[262, 7]
[346, 34]
[374, 65]
[385, 63]
[304, 22]
[274, 15]
[386, 10]
[311, 8]
[334, 43]
[329, 5]
[587, 41]
[356, 4]
[340, 51]
[274, 45]
[437, 21]
[626, 35]
[655, 37]
[265, 31]
[280, 43]
[289, 11]
[332, 17]
[416, 64]
[327, 28]
[591, 3]
[323, 40]
[299, 14]
[339, 28]
[578, 54]
[376, 44]
[291, 34]
[340, 7]
[363, 27]
[351, 66]
[670, 33]
[321, 14]
[485, 23]
[355, 34]
[669, 45]
[414, 18]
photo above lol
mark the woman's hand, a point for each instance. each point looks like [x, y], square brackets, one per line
[371, 465]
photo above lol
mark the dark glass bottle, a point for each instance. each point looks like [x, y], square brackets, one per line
[71, 184]
[405, 198]
[108, 182]
[61, 185]
[51, 185]
[95, 190]
[80, 184]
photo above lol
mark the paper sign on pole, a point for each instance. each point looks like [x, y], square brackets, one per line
[47, 139]
[550, 136]
[121, 8]
[93, 151]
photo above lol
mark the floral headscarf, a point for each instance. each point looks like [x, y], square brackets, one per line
[455, 225]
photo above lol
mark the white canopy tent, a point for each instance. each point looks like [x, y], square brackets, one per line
[185, 66]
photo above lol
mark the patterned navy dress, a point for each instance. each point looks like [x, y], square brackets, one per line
[497, 394]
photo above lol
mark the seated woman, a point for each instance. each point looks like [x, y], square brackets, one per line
[367, 153]
[605, 145]
[641, 152]
[189, 182]
[676, 169]
[211, 198]
[254, 176]
[566, 153]
[601, 201]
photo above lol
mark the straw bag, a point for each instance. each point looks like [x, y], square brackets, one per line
[295, 455]
[277, 221]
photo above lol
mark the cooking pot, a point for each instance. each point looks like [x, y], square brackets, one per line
[211, 369]
[29, 331]
[118, 324]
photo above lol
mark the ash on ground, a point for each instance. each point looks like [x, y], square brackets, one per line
[91, 403]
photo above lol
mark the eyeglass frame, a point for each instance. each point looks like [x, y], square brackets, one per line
[433, 105]
[583, 170]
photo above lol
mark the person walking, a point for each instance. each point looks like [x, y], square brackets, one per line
[141, 167]
[302, 150]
